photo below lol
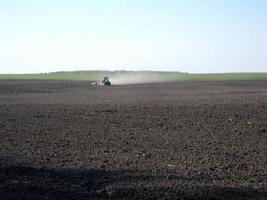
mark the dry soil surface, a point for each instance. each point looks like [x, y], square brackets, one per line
[182, 140]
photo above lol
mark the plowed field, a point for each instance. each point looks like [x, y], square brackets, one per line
[182, 140]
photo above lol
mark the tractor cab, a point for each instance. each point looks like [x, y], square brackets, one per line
[106, 81]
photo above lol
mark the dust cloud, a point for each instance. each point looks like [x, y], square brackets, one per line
[141, 78]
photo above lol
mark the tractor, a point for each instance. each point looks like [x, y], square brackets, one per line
[106, 82]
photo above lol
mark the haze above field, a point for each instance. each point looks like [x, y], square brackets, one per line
[188, 36]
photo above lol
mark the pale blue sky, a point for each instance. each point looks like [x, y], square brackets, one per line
[171, 35]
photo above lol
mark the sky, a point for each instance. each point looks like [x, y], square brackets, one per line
[207, 36]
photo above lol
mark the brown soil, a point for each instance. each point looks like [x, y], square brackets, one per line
[183, 140]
